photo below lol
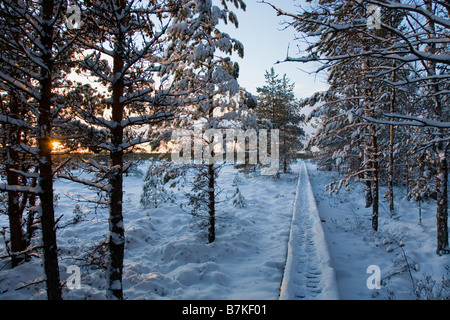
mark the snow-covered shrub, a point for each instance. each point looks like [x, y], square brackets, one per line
[238, 199]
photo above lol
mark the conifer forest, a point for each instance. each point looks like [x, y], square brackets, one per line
[135, 165]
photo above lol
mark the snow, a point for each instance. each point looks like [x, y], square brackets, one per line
[414, 121]
[400, 246]
[16, 188]
[201, 51]
[167, 255]
[308, 273]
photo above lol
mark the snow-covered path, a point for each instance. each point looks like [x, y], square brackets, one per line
[308, 273]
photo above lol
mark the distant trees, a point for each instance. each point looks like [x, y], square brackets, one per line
[405, 62]
[278, 107]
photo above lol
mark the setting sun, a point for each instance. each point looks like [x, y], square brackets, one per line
[56, 145]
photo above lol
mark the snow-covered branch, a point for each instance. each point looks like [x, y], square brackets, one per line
[145, 119]
[22, 189]
[15, 122]
[405, 7]
[412, 121]
[134, 142]
[26, 174]
[20, 85]
[89, 183]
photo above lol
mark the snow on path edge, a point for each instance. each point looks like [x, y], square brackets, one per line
[308, 272]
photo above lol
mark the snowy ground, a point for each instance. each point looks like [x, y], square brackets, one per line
[167, 255]
[308, 273]
[402, 249]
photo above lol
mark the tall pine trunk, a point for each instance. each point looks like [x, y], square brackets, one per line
[375, 180]
[367, 177]
[390, 180]
[116, 227]
[442, 203]
[116, 241]
[440, 149]
[48, 225]
[14, 209]
[375, 173]
[211, 203]
[211, 185]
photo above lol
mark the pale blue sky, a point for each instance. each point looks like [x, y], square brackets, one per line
[265, 43]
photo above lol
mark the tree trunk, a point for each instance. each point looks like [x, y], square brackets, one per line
[375, 173]
[367, 177]
[116, 227]
[375, 181]
[211, 203]
[211, 182]
[442, 203]
[30, 228]
[15, 219]
[390, 181]
[51, 266]
[439, 149]
[116, 241]
[374, 160]
[14, 209]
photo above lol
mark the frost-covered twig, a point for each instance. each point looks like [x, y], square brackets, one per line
[412, 121]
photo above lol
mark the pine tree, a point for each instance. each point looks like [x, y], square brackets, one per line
[356, 91]
[13, 109]
[277, 105]
[130, 76]
[210, 81]
[37, 56]
[154, 191]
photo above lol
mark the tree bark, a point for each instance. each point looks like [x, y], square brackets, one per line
[116, 241]
[375, 180]
[211, 203]
[116, 228]
[14, 209]
[440, 149]
[367, 177]
[442, 204]
[51, 266]
[390, 181]
[375, 173]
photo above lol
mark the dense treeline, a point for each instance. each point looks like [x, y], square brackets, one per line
[386, 112]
